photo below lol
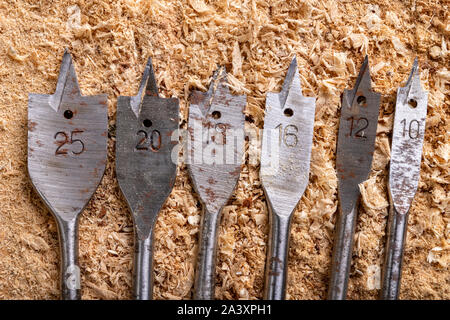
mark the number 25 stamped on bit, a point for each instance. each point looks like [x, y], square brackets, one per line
[67, 136]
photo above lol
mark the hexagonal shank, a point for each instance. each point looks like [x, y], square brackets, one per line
[206, 258]
[392, 272]
[277, 257]
[70, 271]
[143, 268]
[342, 253]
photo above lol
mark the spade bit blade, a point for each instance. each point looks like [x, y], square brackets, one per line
[67, 136]
[285, 163]
[215, 155]
[145, 169]
[404, 173]
[355, 147]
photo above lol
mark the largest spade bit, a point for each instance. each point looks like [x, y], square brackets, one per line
[145, 170]
[285, 162]
[67, 135]
[355, 146]
[215, 154]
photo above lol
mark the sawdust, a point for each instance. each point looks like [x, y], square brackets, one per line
[255, 40]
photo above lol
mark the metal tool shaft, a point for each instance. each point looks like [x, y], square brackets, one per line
[342, 253]
[70, 271]
[397, 224]
[277, 257]
[143, 268]
[206, 258]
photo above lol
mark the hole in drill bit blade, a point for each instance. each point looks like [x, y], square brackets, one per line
[288, 112]
[249, 119]
[412, 103]
[216, 115]
[68, 114]
[361, 100]
[147, 123]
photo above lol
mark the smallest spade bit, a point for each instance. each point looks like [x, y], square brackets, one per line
[285, 163]
[404, 173]
[145, 167]
[67, 135]
[215, 154]
[355, 147]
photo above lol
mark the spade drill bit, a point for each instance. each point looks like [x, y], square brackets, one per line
[215, 155]
[285, 162]
[145, 169]
[404, 172]
[355, 147]
[67, 135]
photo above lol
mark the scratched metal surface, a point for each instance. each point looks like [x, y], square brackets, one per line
[285, 179]
[285, 163]
[213, 181]
[215, 155]
[407, 142]
[355, 150]
[67, 152]
[144, 167]
[406, 153]
[66, 175]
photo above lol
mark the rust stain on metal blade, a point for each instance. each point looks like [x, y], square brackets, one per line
[285, 165]
[66, 145]
[287, 143]
[145, 166]
[216, 133]
[356, 140]
[407, 141]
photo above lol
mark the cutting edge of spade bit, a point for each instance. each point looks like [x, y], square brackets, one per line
[219, 113]
[284, 170]
[404, 173]
[145, 167]
[355, 147]
[67, 151]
